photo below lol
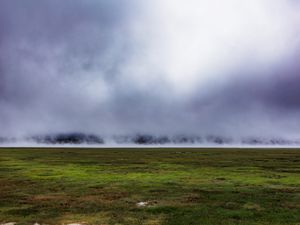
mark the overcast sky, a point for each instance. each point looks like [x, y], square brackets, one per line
[226, 67]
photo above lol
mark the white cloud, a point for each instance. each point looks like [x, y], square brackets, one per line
[192, 42]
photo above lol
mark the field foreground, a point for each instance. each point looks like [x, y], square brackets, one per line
[150, 186]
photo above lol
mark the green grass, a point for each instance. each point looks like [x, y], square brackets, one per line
[182, 186]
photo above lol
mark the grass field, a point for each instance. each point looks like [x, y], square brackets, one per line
[178, 186]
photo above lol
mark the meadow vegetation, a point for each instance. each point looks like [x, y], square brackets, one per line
[176, 186]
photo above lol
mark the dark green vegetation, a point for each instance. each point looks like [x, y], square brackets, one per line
[181, 186]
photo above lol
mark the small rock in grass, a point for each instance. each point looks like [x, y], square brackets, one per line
[142, 204]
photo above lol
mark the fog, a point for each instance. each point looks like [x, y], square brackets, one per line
[161, 67]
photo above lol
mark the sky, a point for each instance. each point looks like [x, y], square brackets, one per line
[196, 67]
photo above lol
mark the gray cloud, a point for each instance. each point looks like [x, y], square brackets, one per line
[119, 67]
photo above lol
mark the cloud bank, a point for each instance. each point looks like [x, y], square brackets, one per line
[159, 67]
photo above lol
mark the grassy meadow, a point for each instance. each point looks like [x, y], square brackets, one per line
[173, 186]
